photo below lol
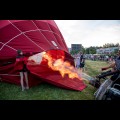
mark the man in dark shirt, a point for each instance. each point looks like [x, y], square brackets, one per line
[82, 62]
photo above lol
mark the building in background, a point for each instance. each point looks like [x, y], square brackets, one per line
[69, 49]
[76, 47]
[106, 50]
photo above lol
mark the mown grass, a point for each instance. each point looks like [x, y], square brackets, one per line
[93, 68]
[46, 91]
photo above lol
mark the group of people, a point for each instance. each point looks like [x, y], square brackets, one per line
[114, 73]
[115, 66]
[110, 88]
[21, 61]
[80, 61]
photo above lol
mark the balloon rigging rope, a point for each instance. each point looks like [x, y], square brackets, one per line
[41, 32]
[26, 35]
[53, 34]
[8, 46]
[5, 44]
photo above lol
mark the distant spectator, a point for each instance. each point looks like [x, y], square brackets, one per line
[82, 62]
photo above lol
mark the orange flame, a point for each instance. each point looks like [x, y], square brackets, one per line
[64, 67]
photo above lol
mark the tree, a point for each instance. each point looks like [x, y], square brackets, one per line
[73, 52]
[83, 49]
[91, 50]
[117, 45]
[108, 45]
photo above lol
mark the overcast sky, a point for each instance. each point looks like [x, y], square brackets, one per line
[89, 32]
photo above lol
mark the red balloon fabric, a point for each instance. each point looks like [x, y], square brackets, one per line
[33, 37]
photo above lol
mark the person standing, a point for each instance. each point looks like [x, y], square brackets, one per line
[20, 65]
[82, 62]
[77, 62]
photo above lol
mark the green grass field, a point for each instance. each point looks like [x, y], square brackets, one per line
[46, 91]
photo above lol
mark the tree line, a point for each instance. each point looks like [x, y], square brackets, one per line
[92, 49]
